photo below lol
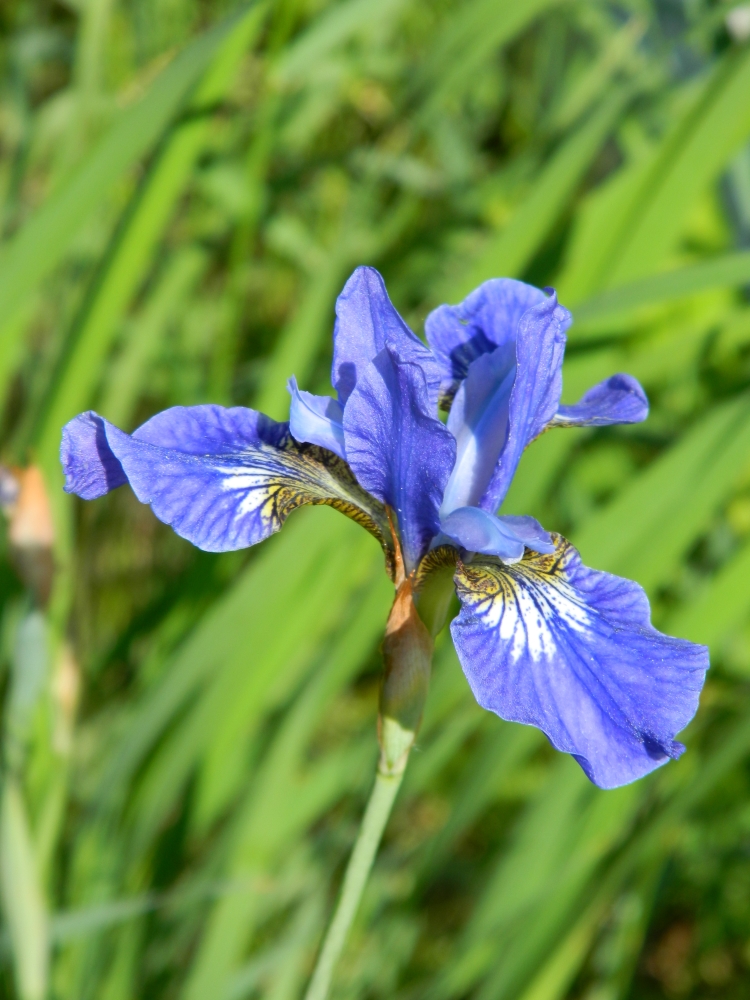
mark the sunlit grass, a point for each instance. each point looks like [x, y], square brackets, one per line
[189, 738]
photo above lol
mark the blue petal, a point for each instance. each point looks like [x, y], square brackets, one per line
[398, 451]
[619, 399]
[90, 468]
[534, 399]
[505, 537]
[530, 531]
[553, 644]
[222, 478]
[365, 321]
[316, 419]
[478, 420]
[486, 319]
[209, 430]
[477, 531]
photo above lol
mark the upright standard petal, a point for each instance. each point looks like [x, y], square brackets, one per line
[535, 396]
[222, 478]
[571, 650]
[398, 451]
[487, 319]
[619, 399]
[316, 419]
[365, 321]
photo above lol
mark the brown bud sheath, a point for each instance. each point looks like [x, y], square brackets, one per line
[30, 529]
[407, 655]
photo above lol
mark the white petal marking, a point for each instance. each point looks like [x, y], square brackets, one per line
[525, 607]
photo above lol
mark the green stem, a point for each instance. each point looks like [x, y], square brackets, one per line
[373, 823]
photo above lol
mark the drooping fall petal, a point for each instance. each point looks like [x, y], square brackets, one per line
[571, 650]
[222, 478]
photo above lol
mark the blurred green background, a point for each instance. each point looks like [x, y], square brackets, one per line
[189, 739]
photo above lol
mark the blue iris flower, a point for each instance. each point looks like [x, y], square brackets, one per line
[542, 639]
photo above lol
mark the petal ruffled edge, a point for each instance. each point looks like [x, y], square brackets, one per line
[91, 469]
[619, 399]
[367, 320]
[487, 318]
[223, 479]
[551, 643]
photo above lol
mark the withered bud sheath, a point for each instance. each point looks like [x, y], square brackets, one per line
[24, 500]
[407, 656]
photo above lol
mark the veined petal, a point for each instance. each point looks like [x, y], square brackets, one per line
[535, 396]
[365, 321]
[530, 531]
[398, 451]
[316, 419]
[571, 650]
[619, 399]
[222, 478]
[505, 537]
[477, 531]
[488, 318]
[90, 468]
[478, 420]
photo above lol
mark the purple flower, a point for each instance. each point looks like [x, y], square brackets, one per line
[542, 639]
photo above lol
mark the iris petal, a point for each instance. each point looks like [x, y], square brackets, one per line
[619, 399]
[530, 531]
[316, 419]
[571, 650]
[505, 537]
[222, 478]
[365, 321]
[478, 420]
[488, 318]
[398, 451]
[91, 469]
[535, 396]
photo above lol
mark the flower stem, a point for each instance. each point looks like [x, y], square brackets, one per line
[407, 658]
[370, 832]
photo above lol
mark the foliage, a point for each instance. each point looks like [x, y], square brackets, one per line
[185, 187]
